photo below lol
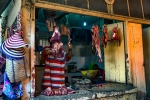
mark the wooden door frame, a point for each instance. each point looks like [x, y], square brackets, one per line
[65, 8]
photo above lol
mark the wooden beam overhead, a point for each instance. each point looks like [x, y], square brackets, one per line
[70, 9]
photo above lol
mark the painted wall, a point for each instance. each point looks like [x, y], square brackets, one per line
[115, 57]
[146, 50]
[136, 58]
[82, 54]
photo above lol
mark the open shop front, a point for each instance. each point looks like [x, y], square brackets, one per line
[106, 67]
[114, 74]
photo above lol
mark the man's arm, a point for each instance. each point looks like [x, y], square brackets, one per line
[46, 51]
[69, 53]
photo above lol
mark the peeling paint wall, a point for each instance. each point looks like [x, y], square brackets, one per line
[136, 60]
[114, 56]
[146, 50]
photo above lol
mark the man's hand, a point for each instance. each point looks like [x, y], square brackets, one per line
[69, 54]
[69, 46]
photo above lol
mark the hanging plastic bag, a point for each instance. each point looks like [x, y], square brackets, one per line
[12, 90]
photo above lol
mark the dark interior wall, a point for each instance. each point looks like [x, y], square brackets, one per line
[120, 6]
[3, 5]
[135, 8]
[98, 5]
[57, 1]
[77, 3]
[146, 4]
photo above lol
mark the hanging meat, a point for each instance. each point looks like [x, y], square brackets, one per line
[50, 19]
[96, 41]
[69, 39]
[115, 35]
[105, 37]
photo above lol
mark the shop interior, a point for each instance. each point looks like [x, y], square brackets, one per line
[83, 56]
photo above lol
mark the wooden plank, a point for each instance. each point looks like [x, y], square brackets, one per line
[39, 73]
[142, 8]
[135, 50]
[114, 57]
[32, 43]
[26, 26]
[128, 8]
[70, 9]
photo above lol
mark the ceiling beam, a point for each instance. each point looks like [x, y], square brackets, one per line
[70, 9]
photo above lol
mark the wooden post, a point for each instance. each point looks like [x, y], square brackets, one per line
[127, 56]
[33, 51]
[142, 9]
[135, 50]
[88, 4]
[26, 28]
[65, 2]
[128, 8]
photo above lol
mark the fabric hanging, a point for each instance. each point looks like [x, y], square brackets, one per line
[13, 12]
[12, 90]
[2, 62]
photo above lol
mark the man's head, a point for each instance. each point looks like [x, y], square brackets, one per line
[55, 44]
[56, 29]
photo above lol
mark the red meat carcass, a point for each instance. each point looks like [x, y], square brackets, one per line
[105, 37]
[96, 41]
[115, 35]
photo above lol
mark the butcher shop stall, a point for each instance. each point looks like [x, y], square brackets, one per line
[75, 50]
[97, 67]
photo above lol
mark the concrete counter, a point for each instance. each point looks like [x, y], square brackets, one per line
[116, 91]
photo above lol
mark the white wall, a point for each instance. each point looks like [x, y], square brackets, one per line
[115, 56]
[82, 54]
